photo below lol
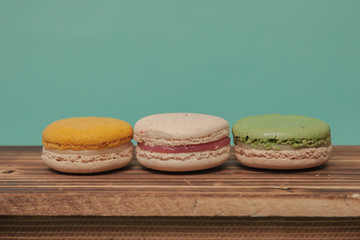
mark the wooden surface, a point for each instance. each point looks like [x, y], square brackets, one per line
[188, 228]
[29, 187]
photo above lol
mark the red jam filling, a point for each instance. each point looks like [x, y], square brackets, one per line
[188, 148]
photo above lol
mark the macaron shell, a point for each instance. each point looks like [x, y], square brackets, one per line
[182, 142]
[179, 126]
[285, 159]
[276, 126]
[88, 161]
[180, 162]
[87, 133]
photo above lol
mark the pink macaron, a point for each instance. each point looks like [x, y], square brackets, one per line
[179, 142]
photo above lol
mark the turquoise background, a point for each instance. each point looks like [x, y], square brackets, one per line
[129, 59]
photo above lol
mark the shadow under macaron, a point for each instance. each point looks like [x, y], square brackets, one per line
[122, 169]
[197, 172]
[282, 171]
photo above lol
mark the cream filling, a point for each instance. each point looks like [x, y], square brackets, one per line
[277, 147]
[85, 156]
[90, 152]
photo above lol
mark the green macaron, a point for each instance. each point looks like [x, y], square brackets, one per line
[288, 137]
[272, 130]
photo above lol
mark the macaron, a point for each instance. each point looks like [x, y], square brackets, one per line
[178, 142]
[277, 141]
[87, 144]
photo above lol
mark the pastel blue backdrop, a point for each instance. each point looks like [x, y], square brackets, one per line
[129, 59]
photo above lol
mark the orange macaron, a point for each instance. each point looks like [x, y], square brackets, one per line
[87, 144]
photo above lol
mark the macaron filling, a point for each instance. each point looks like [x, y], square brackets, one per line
[279, 144]
[86, 156]
[210, 146]
[275, 147]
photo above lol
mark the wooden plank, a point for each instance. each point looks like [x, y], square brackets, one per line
[28, 187]
[26, 228]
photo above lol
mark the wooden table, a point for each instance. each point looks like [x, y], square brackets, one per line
[227, 202]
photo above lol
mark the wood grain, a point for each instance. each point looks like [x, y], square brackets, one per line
[26, 228]
[29, 187]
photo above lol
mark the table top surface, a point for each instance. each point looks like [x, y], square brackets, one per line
[29, 187]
